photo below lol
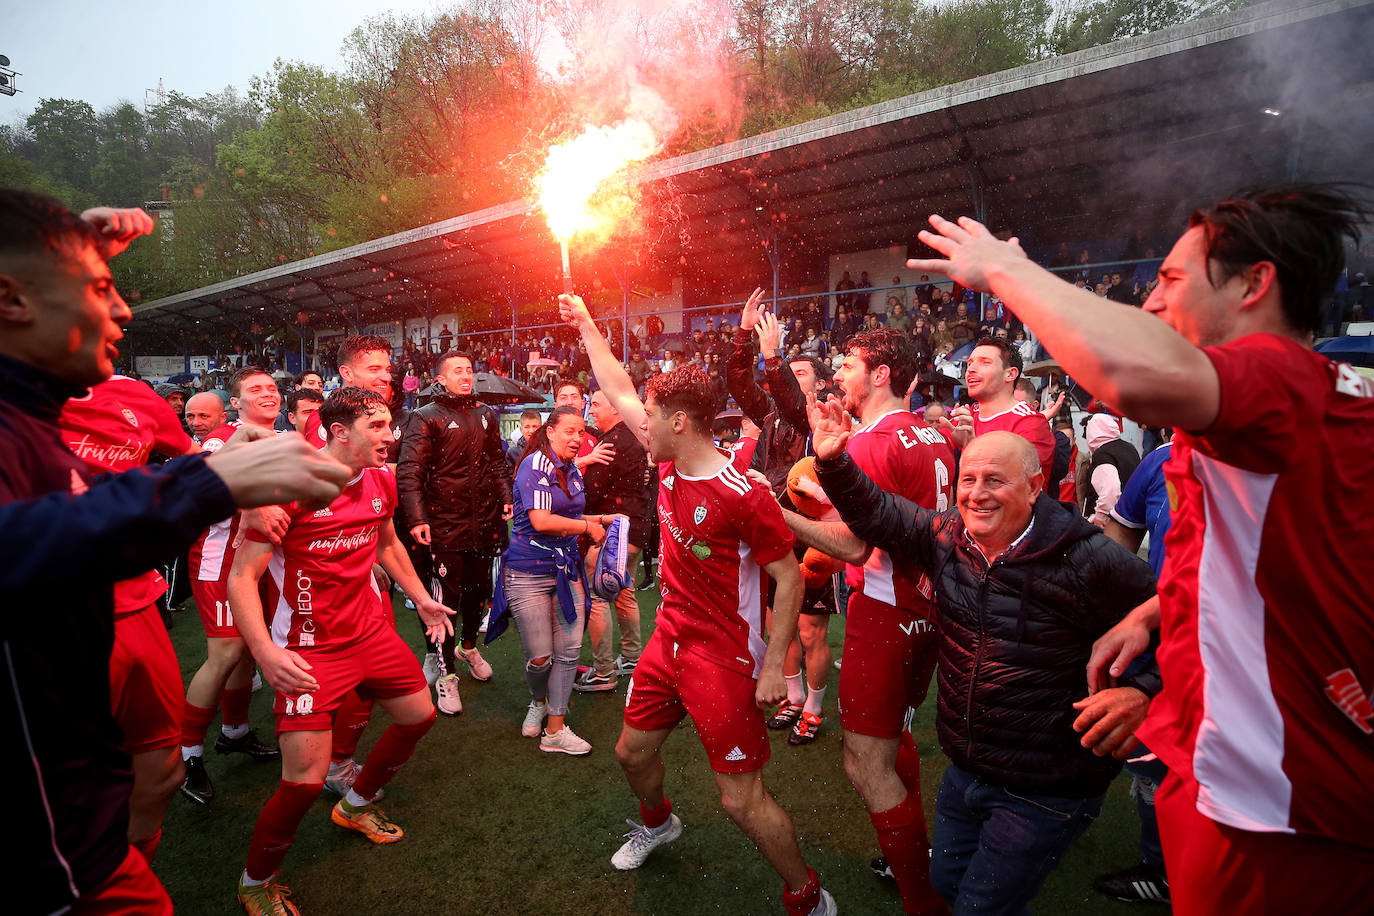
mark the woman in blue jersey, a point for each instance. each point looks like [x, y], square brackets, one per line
[542, 584]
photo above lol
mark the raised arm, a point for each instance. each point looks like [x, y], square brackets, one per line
[1128, 358]
[874, 516]
[740, 378]
[610, 375]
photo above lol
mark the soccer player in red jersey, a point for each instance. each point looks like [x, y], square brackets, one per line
[331, 636]
[113, 428]
[890, 636]
[993, 369]
[225, 678]
[707, 658]
[1267, 631]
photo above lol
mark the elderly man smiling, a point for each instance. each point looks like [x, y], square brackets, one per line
[1023, 587]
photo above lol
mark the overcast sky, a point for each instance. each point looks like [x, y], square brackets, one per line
[104, 52]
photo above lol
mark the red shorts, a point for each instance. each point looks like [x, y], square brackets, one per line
[146, 693]
[378, 668]
[133, 890]
[212, 600]
[669, 683]
[885, 667]
[1215, 868]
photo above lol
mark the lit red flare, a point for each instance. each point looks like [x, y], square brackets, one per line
[571, 189]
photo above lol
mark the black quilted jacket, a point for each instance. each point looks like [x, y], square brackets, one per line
[1014, 636]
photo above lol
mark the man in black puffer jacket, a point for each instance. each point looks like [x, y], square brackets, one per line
[1023, 587]
[455, 493]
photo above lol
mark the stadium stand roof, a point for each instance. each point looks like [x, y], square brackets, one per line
[1092, 144]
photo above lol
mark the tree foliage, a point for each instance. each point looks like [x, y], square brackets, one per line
[434, 116]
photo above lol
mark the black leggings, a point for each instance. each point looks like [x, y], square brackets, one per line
[463, 580]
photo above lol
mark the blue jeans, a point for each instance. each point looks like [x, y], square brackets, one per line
[1147, 775]
[545, 633]
[993, 848]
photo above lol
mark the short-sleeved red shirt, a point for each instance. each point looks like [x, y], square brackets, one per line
[1028, 423]
[717, 534]
[906, 456]
[1267, 614]
[114, 428]
[321, 592]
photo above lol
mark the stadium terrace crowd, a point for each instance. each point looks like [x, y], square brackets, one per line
[963, 542]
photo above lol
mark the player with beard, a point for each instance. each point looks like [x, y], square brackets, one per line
[707, 657]
[225, 678]
[332, 636]
[890, 637]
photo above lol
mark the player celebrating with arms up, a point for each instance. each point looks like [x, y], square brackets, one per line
[707, 657]
[330, 635]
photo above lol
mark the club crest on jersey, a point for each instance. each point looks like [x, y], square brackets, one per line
[699, 515]
[396, 434]
[129, 415]
[377, 504]
[443, 570]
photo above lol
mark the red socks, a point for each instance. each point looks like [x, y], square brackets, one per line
[350, 719]
[802, 902]
[391, 753]
[234, 702]
[902, 837]
[195, 722]
[276, 828]
[656, 817]
[148, 845]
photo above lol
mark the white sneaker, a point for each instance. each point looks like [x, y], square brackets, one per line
[342, 775]
[486, 619]
[623, 667]
[564, 741]
[477, 665]
[449, 703]
[827, 905]
[641, 841]
[534, 719]
[257, 680]
[431, 668]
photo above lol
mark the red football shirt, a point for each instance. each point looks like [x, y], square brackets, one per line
[113, 428]
[322, 594]
[1027, 422]
[1267, 617]
[212, 554]
[716, 535]
[906, 456]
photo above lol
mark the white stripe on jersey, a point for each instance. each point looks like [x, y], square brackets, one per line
[281, 614]
[733, 479]
[750, 604]
[878, 583]
[212, 551]
[1238, 755]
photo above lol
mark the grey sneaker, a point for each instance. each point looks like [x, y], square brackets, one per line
[446, 688]
[430, 668]
[641, 841]
[592, 682]
[481, 670]
[342, 775]
[534, 719]
[564, 741]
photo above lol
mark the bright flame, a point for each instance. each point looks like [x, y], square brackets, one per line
[572, 188]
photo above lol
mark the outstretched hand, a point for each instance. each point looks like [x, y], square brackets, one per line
[752, 309]
[435, 617]
[830, 426]
[970, 251]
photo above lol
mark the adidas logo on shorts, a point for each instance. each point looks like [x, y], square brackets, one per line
[735, 754]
